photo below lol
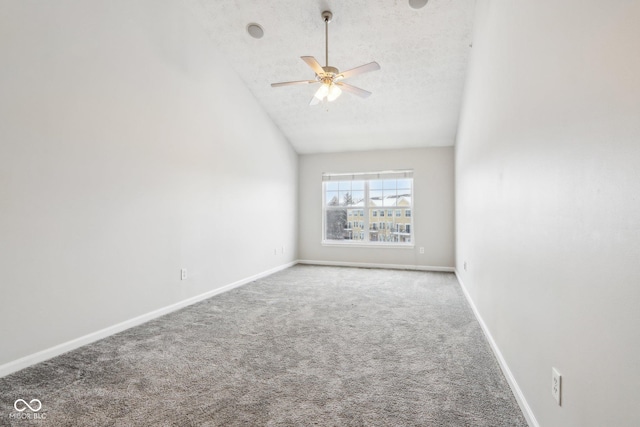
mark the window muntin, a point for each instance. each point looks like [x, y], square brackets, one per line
[372, 208]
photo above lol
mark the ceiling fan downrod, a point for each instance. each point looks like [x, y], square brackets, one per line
[326, 16]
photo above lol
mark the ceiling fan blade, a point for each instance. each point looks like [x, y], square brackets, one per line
[299, 82]
[354, 90]
[371, 66]
[315, 65]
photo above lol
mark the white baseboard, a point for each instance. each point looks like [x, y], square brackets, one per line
[41, 356]
[374, 265]
[522, 402]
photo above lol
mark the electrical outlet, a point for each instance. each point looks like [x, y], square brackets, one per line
[421, 250]
[183, 274]
[556, 385]
[465, 266]
[282, 250]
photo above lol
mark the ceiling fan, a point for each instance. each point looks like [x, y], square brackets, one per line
[330, 77]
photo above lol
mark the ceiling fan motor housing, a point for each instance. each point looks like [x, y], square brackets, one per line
[330, 74]
[331, 70]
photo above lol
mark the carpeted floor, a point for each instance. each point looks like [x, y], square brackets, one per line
[309, 345]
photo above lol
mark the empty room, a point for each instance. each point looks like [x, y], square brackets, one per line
[291, 213]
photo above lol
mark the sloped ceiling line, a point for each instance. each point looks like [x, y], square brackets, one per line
[416, 95]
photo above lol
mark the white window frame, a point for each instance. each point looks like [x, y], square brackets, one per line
[367, 208]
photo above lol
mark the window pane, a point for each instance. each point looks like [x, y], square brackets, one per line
[375, 184]
[389, 184]
[389, 197]
[375, 197]
[404, 184]
[358, 198]
[332, 198]
[335, 225]
[402, 230]
[404, 200]
[345, 198]
[332, 186]
[357, 185]
[345, 185]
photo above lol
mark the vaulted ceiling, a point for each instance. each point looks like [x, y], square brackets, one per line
[416, 94]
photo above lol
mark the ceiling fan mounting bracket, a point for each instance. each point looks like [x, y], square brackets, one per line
[327, 16]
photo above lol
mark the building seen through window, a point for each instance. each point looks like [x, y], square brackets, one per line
[368, 208]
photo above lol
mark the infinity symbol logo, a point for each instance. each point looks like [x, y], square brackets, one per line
[27, 405]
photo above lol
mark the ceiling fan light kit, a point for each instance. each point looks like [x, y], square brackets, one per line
[330, 77]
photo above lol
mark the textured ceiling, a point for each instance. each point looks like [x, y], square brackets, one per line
[416, 93]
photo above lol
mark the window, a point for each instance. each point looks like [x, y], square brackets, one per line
[368, 196]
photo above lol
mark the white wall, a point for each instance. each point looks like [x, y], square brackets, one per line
[433, 210]
[127, 151]
[547, 199]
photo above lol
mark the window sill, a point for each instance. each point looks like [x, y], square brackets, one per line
[370, 245]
